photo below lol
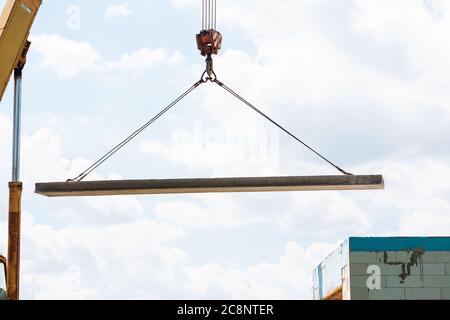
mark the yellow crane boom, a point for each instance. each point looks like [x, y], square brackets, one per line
[15, 24]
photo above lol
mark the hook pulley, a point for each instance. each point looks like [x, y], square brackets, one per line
[209, 40]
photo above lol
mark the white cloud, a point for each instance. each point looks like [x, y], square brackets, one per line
[138, 257]
[176, 58]
[289, 278]
[64, 56]
[316, 210]
[186, 214]
[233, 151]
[415, 31]
[183, 3]
[115, 209]
[415, 201]
[118, 10]
[144, 59]
[42, 158]
[89, 262]
[68, 58]
[5, 130]
[136, 261]
[206, 212]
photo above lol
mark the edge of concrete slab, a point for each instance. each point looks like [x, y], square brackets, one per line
[209, 185]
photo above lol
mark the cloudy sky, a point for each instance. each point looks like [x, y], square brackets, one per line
[364, 81]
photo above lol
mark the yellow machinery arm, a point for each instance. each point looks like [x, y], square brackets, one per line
[15, 24]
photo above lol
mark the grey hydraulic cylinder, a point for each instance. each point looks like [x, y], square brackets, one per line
[17, 124]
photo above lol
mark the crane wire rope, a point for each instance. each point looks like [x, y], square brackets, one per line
[114, 150]
[247, 103]
[205, 78]
[209, 14]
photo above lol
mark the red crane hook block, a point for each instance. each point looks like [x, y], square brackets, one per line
[209, 42]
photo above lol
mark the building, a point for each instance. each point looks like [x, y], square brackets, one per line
[388, 268]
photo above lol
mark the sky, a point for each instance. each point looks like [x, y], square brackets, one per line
[365, 82]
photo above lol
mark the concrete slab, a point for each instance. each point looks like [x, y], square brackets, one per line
[209, 185]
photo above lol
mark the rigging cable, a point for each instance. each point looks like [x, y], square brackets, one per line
[232, 92]
[114, 150]
[205, 78]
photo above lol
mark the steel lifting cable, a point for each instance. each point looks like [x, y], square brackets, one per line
[209, 13]
[207, 2]
[232, 92]
[114, 150]
[205, 78]
[203, 14]
[213, 12]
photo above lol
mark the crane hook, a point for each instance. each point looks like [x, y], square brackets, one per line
[209, 65]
